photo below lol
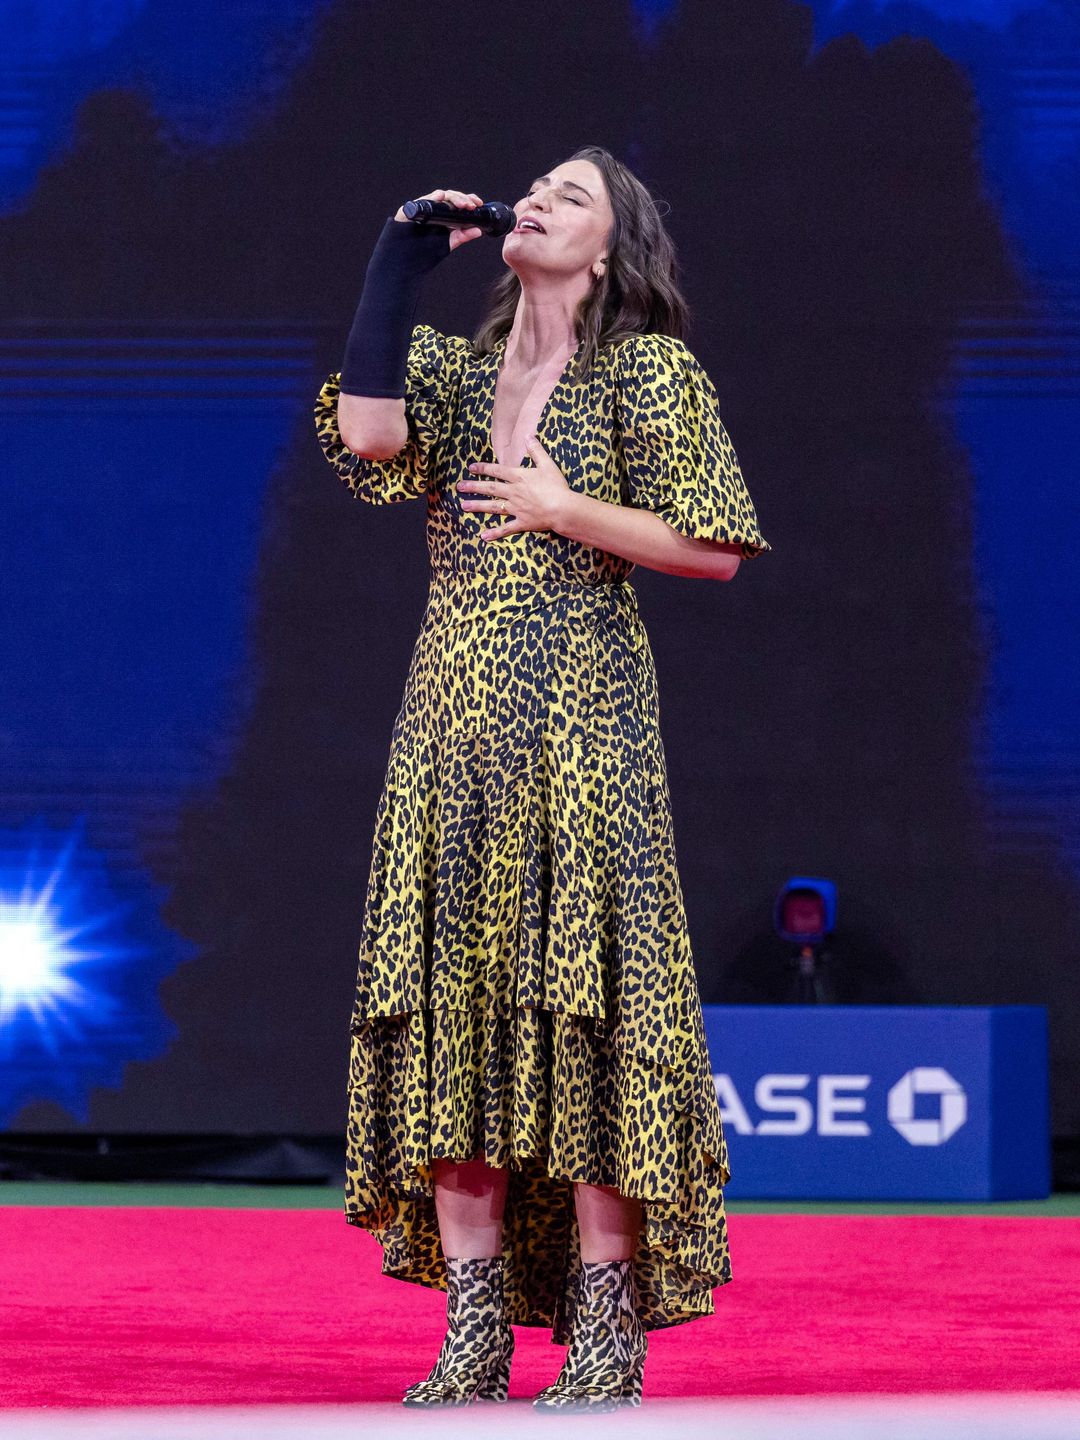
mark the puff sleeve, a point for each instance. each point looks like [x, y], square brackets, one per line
[679, 460]
[433, 367]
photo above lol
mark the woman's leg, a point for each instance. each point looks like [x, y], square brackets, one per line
[608, 1222]
[474, 1360]
[606, 1359]
[470, 1196]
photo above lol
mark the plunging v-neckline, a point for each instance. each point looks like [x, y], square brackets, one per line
[498, 355]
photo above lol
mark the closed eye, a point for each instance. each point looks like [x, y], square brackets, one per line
[565, 197]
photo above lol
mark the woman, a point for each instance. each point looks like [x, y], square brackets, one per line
[532, 1122]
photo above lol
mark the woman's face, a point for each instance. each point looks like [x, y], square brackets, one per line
[573, 207]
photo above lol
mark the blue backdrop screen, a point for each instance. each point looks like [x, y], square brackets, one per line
[877, 212]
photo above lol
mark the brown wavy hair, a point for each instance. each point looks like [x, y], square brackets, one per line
[638, 292]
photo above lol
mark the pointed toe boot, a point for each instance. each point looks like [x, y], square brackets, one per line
[474, 1361]
[605, 1363]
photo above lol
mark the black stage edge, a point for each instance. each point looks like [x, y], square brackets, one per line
[267, 1159]
[262, 1159]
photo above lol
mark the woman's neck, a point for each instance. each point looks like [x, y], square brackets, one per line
[543, 329]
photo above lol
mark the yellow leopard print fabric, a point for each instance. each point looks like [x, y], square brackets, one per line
[526, 987]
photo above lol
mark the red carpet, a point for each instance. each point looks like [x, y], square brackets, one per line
[155, 1306]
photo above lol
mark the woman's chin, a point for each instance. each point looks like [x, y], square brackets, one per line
[521, 263]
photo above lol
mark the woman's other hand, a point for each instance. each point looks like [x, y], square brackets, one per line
[464, 201]
[535, 496]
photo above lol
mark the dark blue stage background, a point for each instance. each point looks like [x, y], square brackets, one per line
[877, 208]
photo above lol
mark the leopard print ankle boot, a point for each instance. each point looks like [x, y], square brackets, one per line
[474, 1361]
[606, 1359]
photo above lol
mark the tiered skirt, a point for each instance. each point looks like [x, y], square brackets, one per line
[526, 988]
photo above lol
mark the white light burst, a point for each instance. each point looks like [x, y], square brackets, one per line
[39, 953]
[80, 966]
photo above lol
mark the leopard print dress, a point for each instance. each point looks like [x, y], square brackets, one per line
[526, 988]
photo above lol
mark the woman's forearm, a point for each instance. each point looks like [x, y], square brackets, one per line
[644, 538]
[371, 403]
[373, 427]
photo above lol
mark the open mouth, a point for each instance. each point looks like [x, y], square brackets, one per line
[529, 227]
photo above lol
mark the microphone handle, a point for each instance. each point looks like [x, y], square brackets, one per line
[493, 217]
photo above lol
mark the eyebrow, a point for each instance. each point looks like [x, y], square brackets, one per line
[567, 184]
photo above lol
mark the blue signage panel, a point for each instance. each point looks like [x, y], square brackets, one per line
[883, 1102]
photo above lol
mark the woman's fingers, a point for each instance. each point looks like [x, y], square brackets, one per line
[462, 237]
[454, 197]
[478, 485]
[491, 467]
[475, 487]
[464, 200]
[460, 197]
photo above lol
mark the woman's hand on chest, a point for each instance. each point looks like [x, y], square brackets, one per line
[534, 496]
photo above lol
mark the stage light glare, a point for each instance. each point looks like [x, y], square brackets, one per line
[79, 970]
[36, 957]
[41, 945]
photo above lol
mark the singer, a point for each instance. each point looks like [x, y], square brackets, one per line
[532, 1120]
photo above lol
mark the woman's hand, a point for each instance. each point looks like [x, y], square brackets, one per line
[535, 497]
[452, 197]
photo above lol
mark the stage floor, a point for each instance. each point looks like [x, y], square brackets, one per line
[169, 1312]
[997, 1416]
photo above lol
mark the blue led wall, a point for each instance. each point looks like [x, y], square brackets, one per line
[877, 211]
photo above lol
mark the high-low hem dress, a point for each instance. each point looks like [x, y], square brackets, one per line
[526, 987]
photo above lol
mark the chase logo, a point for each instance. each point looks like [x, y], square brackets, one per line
[952, 1106]
[829, 1111]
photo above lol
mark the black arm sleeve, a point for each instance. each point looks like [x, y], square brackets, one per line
[378, 343]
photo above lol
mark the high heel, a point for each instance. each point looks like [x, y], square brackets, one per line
[474, 1360]
[605, 1365]
[496, 1382]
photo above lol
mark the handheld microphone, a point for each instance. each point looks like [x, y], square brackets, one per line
[493, 217]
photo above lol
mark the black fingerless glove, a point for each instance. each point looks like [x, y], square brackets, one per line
[378, 344]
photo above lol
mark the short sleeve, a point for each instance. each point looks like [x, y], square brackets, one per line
[679, 459]
[432, 368]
